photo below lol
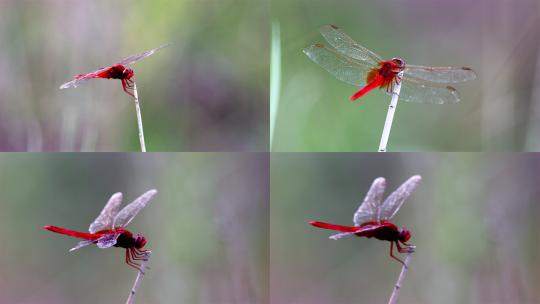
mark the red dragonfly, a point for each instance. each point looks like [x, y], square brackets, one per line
[108, 229]
[117, 71]
[372, 219]
[355, 64]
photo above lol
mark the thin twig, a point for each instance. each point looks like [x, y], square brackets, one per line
[139, 118]
[131, 297]
[390, 114]
[399, 283]
[275, 78]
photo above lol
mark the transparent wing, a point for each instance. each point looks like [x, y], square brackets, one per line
[342, 67]
[440, 74]
[107, 240]
[414, 90]
[106, 217]
[134, 58]
[369, 209]
[347, 46]
[127, 214]
[392, 204]
[340, 235]
[80, 79]
[81, 244]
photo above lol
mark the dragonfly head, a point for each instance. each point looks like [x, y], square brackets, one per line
[399, 64]
[140, 241]
[404, 235]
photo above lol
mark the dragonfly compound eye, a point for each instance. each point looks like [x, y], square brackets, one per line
[404, 235]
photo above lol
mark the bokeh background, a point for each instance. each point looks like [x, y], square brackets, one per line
[208, 91]
[499, 39]
[207, 227]
[474, 219]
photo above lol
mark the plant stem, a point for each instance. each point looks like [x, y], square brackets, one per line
[131, 297]
[399, 283]
[139, 118]
[390, 114]
[275, 77]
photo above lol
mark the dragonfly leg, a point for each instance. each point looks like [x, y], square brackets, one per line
[407, 249]
[392, 253]
[131, 263]
[137, 255]
[127, 86]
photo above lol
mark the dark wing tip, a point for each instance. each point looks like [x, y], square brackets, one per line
[334, 27]
[319, 45]
[451, 89]
[473, 73]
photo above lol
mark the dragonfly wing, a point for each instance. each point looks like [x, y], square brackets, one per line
[392, 204]
[340, 235]
[127, 214]
[414, 90]
[440, 74]
[80, 79]
[107, 240]
[369, 209]
[74, 83]
[106, 217]
[134, 58]
[82, 244]
[343, 68]
[347, 46]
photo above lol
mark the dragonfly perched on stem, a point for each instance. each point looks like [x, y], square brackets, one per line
[350, 62]
[108, 229]
[372, 219]
[116, 71]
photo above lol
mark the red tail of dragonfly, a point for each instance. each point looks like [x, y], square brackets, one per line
[372, 219]
[108, 229]
[352, 63]
[117, 71]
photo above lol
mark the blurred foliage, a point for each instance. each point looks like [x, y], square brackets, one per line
[207, 227]
[473, 218]
[499, 110]
[207, 92]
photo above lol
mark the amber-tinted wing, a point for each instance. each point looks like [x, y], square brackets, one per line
[439, 74]
[134, 58]
[106, 217]
[369, 209]
[126, 215]
[347, 46]
[343, 68]
[392, 204]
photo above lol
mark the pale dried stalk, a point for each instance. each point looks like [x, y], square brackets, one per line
[390, 114]
[399, 283]
[139, 118]
[131, 297]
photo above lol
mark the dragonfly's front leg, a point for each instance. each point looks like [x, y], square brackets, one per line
[407, 249]
[392, 252]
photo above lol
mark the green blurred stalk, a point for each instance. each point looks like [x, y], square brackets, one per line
[275, 77]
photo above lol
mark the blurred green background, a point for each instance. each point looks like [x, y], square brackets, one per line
[207, 227]
[499, 111]
[474, 220]
[208, 91]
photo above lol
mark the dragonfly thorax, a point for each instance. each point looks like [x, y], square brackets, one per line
[120, 72]
[128, 240]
